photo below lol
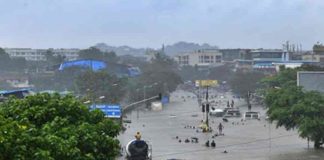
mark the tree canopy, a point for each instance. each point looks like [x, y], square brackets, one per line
[11, 64]
[163, 71]
[192, 73]
[244, 82]
[53, 59]
[97, 84]
[222, 73]
[290, 106]
[51, 127]
[96, 54]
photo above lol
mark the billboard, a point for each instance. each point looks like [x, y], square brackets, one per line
[205, 83]
[311, 81]
[110, 110]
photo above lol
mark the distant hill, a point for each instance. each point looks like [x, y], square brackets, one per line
[181, 47]
[171, 50]
[121, 50]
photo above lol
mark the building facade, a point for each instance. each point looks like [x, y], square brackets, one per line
[314, 57]
[40, 54]
[204, 57]
[317, 55]
[269, 54]
[229, 55]
[27, 53]
[69, 54]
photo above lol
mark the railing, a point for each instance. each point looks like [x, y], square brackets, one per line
[126, 107]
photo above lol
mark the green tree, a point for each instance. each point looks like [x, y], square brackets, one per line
[162, 71]
[53, 59]
[97, 84]
[18, 64]
[292, 107]
[192, 73]
[96, 54]
[285, 77]
[47, 126]
[59, 81]
[244, 82]
[11, 64]
[4, 60]
[221, 73]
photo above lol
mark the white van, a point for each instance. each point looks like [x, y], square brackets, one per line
[217, 112]
[156, 106]
[252, 115]
[232, 112]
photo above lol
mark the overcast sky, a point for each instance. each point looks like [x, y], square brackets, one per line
[150, 23]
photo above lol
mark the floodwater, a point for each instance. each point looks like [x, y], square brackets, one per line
[243, 140]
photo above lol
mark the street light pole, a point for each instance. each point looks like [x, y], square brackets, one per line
[144, 89]
[144, 95]
[207, 110]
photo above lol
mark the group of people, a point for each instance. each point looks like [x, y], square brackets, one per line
[220, 128]
[230, 105]
[212, 144]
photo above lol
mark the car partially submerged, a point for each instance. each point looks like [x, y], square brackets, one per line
[217, 112]
[232, 112]
[252, 115]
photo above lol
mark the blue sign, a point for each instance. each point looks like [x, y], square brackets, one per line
[110, 110]
[165, 100]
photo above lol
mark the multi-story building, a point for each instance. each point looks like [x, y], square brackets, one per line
[262, 59]
[271, 60]
[235, 54]
[318, 49]
[268, 55]
[40, 54]
[69, 54]
[317, 55]
[27, 53]
[313, 57]
[204, 57]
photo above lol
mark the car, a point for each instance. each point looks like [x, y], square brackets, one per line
[232, 112]
[252, 115]
[217, 112]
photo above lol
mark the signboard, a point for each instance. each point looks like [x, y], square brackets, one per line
[311, 80]
[165, 100]
[205, 83]
[110, 110]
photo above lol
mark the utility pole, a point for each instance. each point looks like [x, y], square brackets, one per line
[207, 109]
[248, 101]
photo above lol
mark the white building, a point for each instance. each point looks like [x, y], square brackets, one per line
[150, 54]
[40, 54]
[313, 57]
[204, 57]
[69, 54]
[27, 53]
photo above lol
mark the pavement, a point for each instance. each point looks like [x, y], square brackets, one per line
[244, 140]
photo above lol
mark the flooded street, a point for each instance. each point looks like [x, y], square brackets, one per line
[245, 140]
[162, 79]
